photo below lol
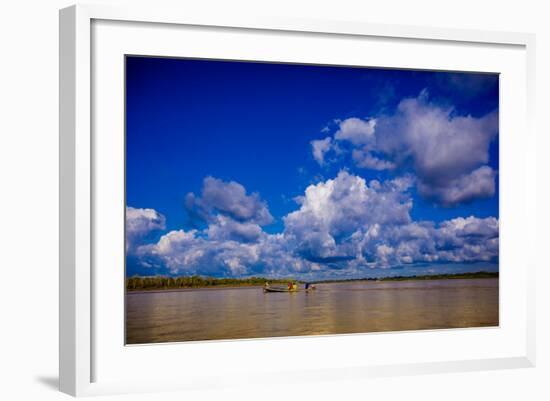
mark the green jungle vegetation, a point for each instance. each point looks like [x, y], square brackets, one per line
[137, 283]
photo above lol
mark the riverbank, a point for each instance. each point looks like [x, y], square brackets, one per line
[185, 289]
[163, 284]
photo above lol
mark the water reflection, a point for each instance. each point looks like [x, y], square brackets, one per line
[336, 308]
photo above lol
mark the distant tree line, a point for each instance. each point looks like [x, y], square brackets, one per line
[137, 283]
[480, 274]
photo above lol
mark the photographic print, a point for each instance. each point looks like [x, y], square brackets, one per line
[276, 199]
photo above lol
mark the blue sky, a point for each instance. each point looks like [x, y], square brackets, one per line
[246, 168]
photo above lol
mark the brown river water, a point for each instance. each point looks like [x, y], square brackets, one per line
[333, 308]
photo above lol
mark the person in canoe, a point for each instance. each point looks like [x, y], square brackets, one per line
[309, 287]
[266, 285]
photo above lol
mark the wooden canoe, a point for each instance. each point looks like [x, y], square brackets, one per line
[285, 289]
[278, 289]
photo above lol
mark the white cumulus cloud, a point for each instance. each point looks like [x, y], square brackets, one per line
[356, 131]
[140, 222]
[143, 221]
[319, 148]
[479, 183]
[449, 153]
[337, 208]
[229, 199]
[225, 228]
[366, 159]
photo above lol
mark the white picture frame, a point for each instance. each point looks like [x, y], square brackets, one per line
[79, 221]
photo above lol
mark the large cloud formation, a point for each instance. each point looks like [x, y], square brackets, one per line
[342, 226]
[448, 153]
[332, 211]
